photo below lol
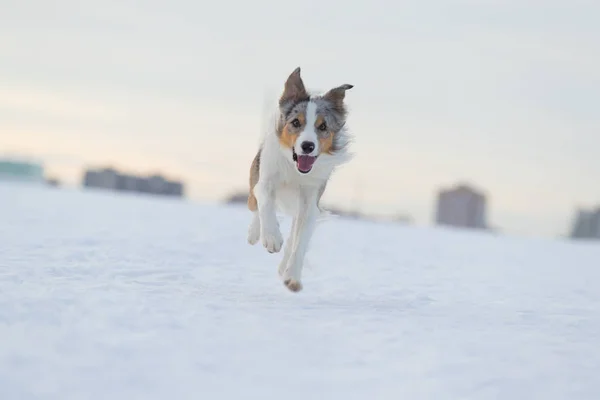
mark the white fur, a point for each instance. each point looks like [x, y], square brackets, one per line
[254, 229]
[282, 187]
[309, 134]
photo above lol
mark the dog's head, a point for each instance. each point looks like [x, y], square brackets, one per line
[311, 126]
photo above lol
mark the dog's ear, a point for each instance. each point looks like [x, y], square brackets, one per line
[337, 95]
[294, 89]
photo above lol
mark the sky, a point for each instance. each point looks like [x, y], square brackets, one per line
[502, 95]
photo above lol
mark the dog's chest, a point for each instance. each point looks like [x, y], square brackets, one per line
[287, 198]
[288, 195]
[290, 184]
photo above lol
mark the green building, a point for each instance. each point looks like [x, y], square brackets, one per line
[21, 171]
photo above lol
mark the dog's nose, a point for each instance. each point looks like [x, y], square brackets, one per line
[307, 147]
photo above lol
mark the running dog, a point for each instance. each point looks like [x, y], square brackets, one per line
[291, 169]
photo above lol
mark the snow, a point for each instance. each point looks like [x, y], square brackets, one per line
[108, 296]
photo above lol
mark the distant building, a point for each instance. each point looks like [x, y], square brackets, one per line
[23, 171]
[111, 179]
[173, 189]
[129, 183]
[53, 182]
[106, 178]
[237, 198]
[461, 206]
[586, 225]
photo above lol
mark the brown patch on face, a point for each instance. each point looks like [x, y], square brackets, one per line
[289, 133]
[325, 137]
[326, 143]
[287, 138]
[254, 174]
[319, 121]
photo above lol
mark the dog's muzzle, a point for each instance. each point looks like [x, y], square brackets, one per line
[304, 163]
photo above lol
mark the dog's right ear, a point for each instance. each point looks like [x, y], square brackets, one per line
[294, 89]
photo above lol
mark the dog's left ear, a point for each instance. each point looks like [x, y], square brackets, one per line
[337, 95]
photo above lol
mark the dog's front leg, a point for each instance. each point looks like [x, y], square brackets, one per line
[303, 228]
[269, 226]
[287, 250]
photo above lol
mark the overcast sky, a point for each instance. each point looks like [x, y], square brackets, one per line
[502, 94]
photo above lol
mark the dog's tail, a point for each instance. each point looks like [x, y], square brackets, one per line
[269, 113]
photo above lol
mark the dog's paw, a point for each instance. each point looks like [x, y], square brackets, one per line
[272, 240]
[293, 285]
[253, 237]
[290, 276]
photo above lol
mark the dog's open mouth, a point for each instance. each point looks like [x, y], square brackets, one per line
[303, 163]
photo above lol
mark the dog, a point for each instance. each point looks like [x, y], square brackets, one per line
[290, 171]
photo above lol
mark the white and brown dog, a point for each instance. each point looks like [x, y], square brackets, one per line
[292, 168]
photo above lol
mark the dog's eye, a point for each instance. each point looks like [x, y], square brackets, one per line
[296, 123]
[323, 127]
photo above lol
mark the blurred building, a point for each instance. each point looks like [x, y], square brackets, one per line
[237, 198]
[53, 182]
[586, 225]
[106, 178]
[112, 179]
[461, 206]
[18, 170]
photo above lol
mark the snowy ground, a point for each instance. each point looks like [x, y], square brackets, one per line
[121, 297]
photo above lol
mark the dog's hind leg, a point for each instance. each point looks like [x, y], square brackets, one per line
[303, 229]
[254, 228]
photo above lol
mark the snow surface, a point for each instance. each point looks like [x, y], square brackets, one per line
[107, 296]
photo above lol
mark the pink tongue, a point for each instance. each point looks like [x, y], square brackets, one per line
[305, 163]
